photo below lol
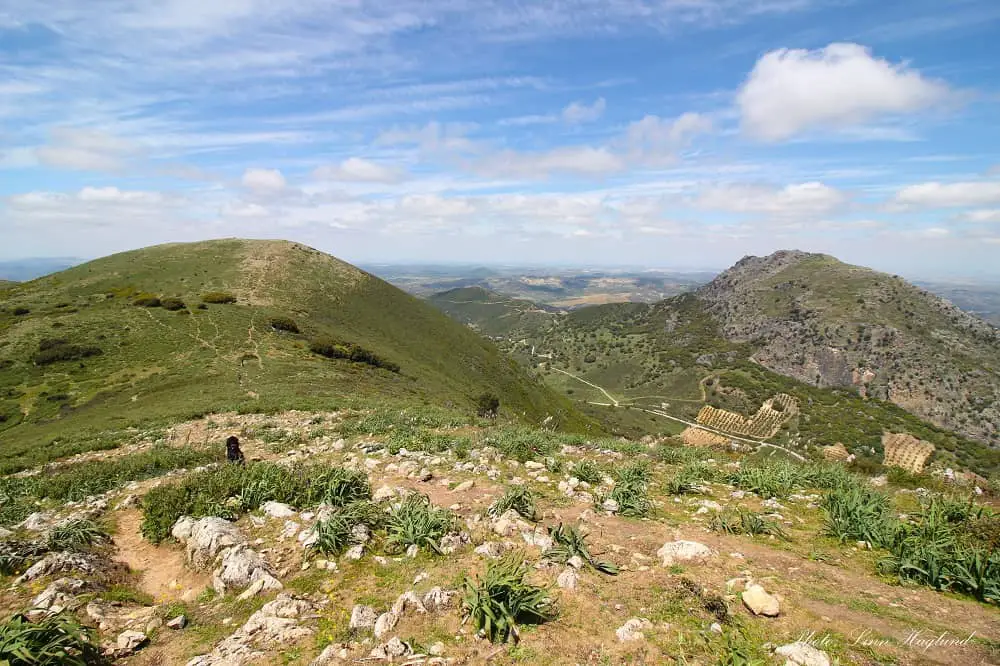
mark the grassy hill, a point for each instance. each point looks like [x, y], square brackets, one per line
[87, 350]
[493, 314]
[831, 324]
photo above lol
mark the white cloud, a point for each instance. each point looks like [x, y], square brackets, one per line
[982, 215]
[264, 181]
[799, 200]
[657, 139]
[947, 195]
[578, 112]
[356, 169]
[86, 150]
[431, 138]
[113, 194]
[793, 90]
[582, 160]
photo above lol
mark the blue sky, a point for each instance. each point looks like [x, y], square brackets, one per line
[663, 133]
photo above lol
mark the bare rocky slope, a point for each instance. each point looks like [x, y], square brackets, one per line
[824, 322]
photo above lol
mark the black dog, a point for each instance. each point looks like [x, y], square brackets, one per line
[233, 453]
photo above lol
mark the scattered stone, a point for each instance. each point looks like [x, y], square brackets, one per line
[567, 579]
[412, 550]
[715, 628]
[394, 649]
[438, 599]
[610, 505]
[538, 538]
[465, 486]
[408, 601]
[363, 617]
[277, 510]
[57, 597]
[632, 630]
[206, 538]
[492, 549]
[61, 563]
[576, 562]
[803, 654]
[436, 650]
[110, 617]
[178, 622]
[242, 566]
[384, 493]
[533, 465]
[385, 623]
[760, 602]
[130, 641]
[674, 552]
[452, 542]
[355, 552]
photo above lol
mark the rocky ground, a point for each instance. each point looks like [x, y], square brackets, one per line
[255, 591]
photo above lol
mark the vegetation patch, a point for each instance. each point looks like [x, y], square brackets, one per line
[336, 349]
[53, 350]
[286, 324]
[502, 600]
[171, 303]
[218, 297]
[57, 639]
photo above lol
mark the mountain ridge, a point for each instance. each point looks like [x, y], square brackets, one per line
[832, 324]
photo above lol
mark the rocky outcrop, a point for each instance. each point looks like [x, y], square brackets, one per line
[278, 624]
[675, 552]
[214, 540]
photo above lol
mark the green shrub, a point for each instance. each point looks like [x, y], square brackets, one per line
[587, 470]
[335, 349]
[147, 301]
[219, 297]
[20, 311]
[517, 497]
[284, 324]
[502, 600]
[173, 304]
[521, 444]
[487, 405]
[53, 350]
[857, 513]
[76, 535]
[415, 521]
[56, 640]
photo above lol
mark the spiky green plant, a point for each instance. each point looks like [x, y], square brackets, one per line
[518, 497]
[744, 521]
[502, 600]
[338, 486]
[75, 535]
[415, 521]
[586, 470]
[856, 513]
[569, 542]
[57, 640]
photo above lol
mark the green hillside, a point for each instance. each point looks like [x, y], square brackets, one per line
[493, 314]
[87, 350]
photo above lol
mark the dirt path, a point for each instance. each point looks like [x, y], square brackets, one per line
[614, 402]
[163, 569]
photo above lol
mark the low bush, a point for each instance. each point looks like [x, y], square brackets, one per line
[631, 491]
[502, 600]
[147, 301]
[53, 350]
[172, 304]
[20, 311]
[56, 640]
[340, 530]
[521, 444]
[335, 349]
[218, 297]
[517, 497]
[284, 324]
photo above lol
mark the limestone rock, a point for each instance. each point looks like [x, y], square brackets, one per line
[240, 567]
[209, 536]
[385, 623]
[363, 617]
[130, 641]
[803, 654]
[277, 510]
[632, 630]
[567, 579]
[178, 622]
[438, 599]
[760, 602]
[675, 552]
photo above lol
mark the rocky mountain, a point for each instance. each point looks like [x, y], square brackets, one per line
[830, 324]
